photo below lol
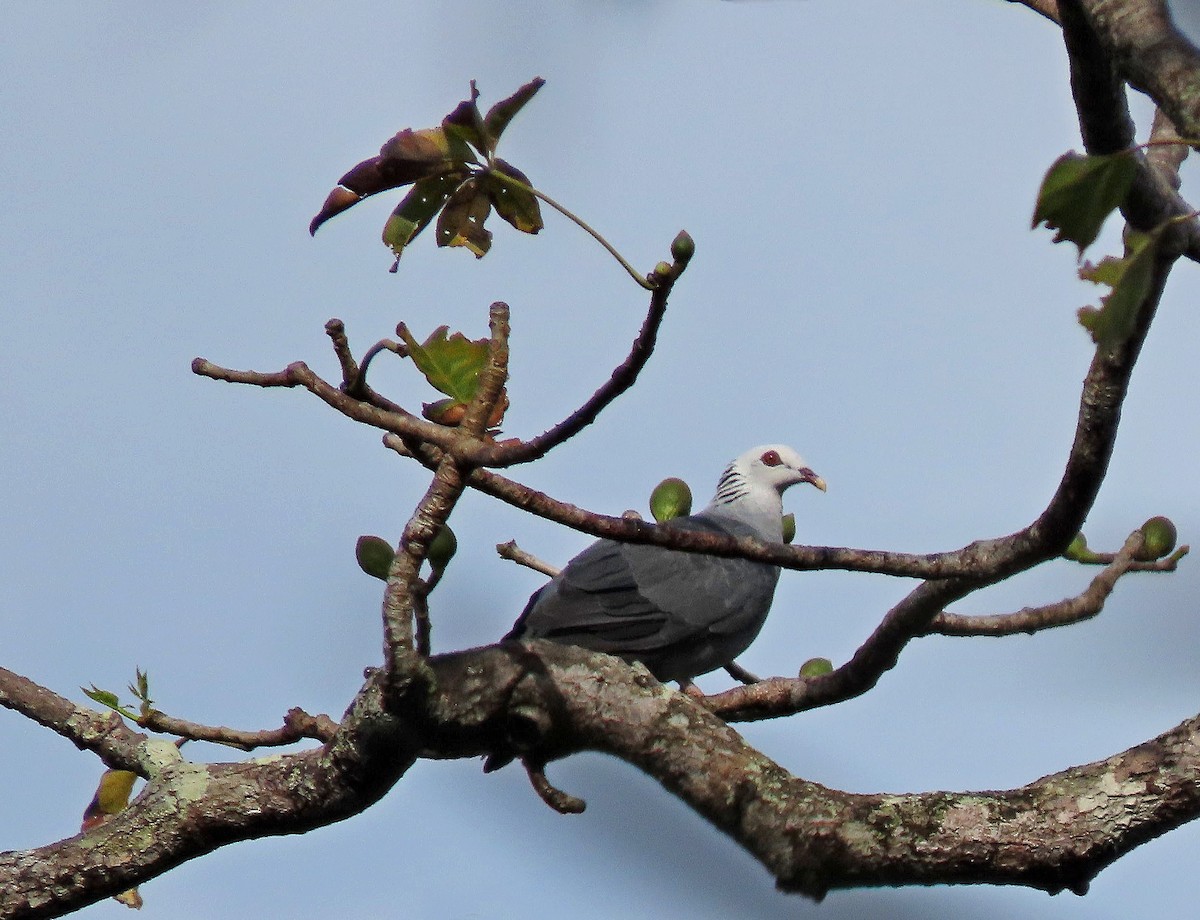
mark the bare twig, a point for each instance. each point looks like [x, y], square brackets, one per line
[737, 672]
[622, 378]
[1032, 619]
[562, 802]
[299, 374]
[514, 553]
[297, 725]
[336, 330]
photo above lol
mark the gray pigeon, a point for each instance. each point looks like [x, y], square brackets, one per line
[681, 614]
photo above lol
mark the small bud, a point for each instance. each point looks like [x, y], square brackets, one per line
[1159, 536]
[443, 548]
[1078, 549]
[789, 527]
[374, 555]
[671, 498]
[683, 247]
[447, 412]
[663, 270]
[815, 667]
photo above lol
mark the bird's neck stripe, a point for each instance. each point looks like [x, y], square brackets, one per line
[731, 487]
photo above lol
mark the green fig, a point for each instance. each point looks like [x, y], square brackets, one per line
[683, 247]
[374, 555]
[443, 548]
[1078, 549]
[671, 498]
[789, 527]
[1159, 536]
[815, 667]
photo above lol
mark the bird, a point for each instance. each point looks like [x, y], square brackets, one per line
[680, 614]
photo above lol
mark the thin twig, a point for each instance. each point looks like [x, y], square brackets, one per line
[575, 219]
[621, 379]
[514, 553]
[1029, 620]
[562, 802]
[297, 725]
[737, 672]
[336, 330]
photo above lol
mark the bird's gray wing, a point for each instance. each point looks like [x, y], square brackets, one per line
[593, 602]
[641, 600]
[704, 596]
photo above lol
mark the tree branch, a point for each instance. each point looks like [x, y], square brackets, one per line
[622, 378]
[1100, 37]
[187, 810]
[105, 734]
[546, 701]
[1033, 619]
[297, 725]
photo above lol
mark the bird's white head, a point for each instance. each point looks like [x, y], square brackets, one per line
[751, 487]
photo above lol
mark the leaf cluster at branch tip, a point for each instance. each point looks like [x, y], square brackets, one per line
[454, 172]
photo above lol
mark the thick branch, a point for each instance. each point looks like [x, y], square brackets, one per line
[547, 701]
[1099, 39]
[106, 734]
[187, 810]
[1151, 54]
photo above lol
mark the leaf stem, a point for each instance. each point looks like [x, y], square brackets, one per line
[578, 221]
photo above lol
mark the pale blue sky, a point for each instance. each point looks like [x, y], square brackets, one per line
[858, 178]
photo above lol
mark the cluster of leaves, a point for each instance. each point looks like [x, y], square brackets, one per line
[1077, 195]
[140, 689]
[454, 170]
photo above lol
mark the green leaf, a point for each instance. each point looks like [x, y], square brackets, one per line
[451, 364]
[374, 555]
[505, 110]
[516, 205]
[1130, 278]
[140, 689]
[670, 499]
[108, 700]
[1079, 192]
[417, 209]
[461, 222]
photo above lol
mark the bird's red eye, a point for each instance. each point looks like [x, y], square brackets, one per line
[771, 458]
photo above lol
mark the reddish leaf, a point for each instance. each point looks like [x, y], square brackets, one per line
[515, 205]
[461, 222]
[466, 122]
[505, 110]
